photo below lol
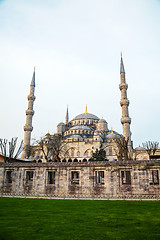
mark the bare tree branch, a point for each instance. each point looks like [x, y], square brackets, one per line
[151, 147]
[10, 149]
[122, 148]
[52, 147]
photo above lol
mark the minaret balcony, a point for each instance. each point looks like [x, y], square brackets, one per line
[31, 97]
[28, 128]
[124, 102]
[125, 120]
[123, 86]
[29, 112]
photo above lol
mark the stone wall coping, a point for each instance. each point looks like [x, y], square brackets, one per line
[82, 164]
[133, 197]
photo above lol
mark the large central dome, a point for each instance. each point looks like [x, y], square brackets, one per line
[86, 116]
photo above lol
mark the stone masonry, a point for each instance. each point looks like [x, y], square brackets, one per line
[88, 179]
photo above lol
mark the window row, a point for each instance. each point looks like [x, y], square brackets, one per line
[75, 177]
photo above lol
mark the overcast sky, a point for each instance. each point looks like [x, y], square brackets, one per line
[75, 46]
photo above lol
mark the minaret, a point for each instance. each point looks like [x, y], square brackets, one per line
[125, 120]
[29, 115]
[67, 116]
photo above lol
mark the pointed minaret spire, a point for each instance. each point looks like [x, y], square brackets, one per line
[29, 115]
[33, 78]
[86, 109]
[125, 120]
[67, 116]
[122, 65]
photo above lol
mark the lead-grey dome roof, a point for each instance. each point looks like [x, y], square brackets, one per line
[86, 116]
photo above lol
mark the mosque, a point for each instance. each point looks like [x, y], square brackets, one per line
[74, 174]
[83, 134]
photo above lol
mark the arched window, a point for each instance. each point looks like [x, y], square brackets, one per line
[78, 153]
[84, 160]
[86, 153]
[64, 160]
[75, 160]
[110, 151]
[70, 160]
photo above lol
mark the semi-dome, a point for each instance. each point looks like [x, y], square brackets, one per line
[75, 136]
[86, 116]
[80, 127]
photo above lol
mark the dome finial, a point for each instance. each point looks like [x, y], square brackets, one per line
[111, 130]
[121, 54]
[86, 109]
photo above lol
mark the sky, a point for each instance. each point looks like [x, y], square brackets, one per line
[75, 46]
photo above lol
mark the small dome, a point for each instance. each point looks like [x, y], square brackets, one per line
[111, 136]
[96, 132]
[80, 127]
[61, 124]
[102, 120]
[48, 134]
[86, 116]
[140, 148]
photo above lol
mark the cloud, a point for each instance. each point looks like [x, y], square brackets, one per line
[76, 47]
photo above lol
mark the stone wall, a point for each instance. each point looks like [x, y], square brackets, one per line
[83, 179]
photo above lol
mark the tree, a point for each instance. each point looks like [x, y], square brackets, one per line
[99, 155]
[52, 146]
[151, 147]
[121, 151]
[8, 148]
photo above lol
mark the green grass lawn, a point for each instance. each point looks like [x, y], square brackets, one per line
[75, 219]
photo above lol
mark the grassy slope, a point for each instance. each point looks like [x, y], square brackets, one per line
[74, 220]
